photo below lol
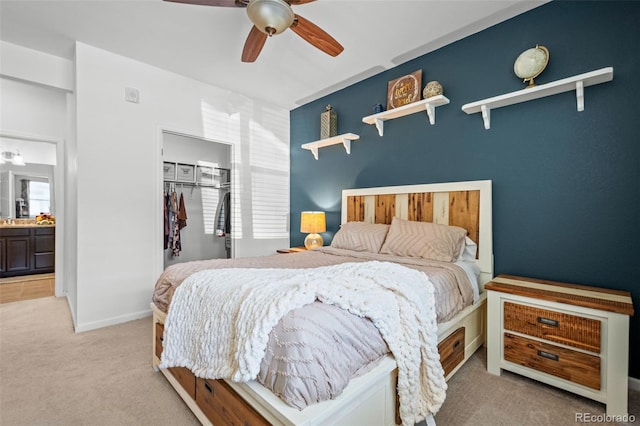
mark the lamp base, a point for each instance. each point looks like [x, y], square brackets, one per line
[313, 241]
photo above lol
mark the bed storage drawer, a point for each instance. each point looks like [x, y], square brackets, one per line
[451, 350]
[222, 406]
[159, 334]
[565, 363]
[570, 330]
[184, 376]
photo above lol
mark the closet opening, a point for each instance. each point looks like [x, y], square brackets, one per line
[197, 185]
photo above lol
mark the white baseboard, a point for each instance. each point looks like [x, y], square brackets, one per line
[634, 384]
[112, 321]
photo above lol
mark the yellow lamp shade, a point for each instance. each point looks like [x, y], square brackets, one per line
[312, 223]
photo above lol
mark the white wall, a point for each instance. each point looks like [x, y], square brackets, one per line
[32, 109]
[20, 63]
[119, 182]
[69, 213]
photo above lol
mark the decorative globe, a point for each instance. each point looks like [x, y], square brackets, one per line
[433, 88]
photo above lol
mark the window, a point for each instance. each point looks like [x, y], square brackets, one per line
[39, 201]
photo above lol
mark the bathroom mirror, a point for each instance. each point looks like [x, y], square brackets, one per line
[29, 189]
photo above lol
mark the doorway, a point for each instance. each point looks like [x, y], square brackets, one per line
[37, 269]
[197, 175]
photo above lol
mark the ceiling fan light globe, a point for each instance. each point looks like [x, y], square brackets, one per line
[270, 16]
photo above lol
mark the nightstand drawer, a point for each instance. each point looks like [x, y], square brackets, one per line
[567, 364]
[570, 330]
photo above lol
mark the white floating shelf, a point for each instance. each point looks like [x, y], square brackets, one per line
[344, 139]
[577, 83]
[427, 105]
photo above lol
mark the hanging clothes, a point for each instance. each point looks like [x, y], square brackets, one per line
[182, 213]
[176, 244]
[167, 227]
[223, 222]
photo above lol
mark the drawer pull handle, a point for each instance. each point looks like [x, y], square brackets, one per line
[208, 387]
[548, 355]
[547, 321]
[456, 344]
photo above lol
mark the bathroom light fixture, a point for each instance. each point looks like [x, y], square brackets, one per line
[12, 157]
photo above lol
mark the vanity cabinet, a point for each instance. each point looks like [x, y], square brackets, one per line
[26, 250]
[44, 250]
[17, 247]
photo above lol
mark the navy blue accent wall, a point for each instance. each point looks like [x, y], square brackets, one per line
[566, 184]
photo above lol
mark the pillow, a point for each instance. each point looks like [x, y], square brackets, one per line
[468, 250]
[424, 239]
[360, 236]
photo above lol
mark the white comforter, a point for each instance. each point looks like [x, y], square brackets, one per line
[219, 321]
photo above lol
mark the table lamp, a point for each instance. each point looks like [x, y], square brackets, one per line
[312, 223]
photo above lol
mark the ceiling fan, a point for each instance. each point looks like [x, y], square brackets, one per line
[272, 17]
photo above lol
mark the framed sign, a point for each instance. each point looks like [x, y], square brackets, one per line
[169, 171]
[205, 174]
[404, 90]
[185, 172]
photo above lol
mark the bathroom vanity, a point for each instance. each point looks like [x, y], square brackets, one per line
[26, 249]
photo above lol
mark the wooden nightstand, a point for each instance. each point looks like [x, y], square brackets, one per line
[292, 250]
[570, 336]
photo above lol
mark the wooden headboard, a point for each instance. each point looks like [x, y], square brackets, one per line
[463, 204]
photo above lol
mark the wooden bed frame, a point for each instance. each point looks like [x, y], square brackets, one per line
[369, 399]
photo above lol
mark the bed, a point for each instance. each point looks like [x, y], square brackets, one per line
[370, 397]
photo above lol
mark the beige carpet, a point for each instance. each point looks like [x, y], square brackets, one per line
[476, 397]
[51, 376]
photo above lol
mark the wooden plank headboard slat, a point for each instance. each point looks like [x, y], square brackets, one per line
[355, 208]
[421, 207]
[402, 206]
[464, 211]
[441, 208]
[385, 208]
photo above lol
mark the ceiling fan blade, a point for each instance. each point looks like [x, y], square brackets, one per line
[253, 45]
[297, 2]
[316, 36]
[222, 3]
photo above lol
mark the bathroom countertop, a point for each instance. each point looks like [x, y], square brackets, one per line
[22, 223]
[32, 225]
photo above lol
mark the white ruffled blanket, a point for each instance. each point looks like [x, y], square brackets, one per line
[219, 321]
